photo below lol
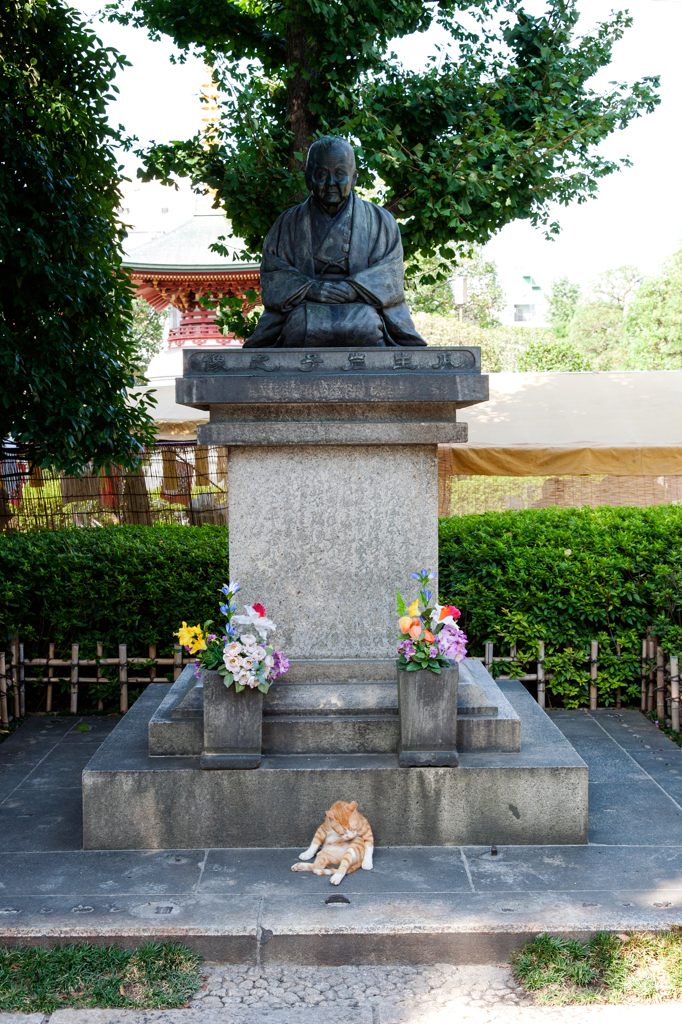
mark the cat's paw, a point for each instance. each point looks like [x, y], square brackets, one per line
[299, 867]
[308, 854]
[367, 864]
[335, 879]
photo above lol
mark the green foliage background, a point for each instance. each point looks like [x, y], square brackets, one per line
[565, 576]
[67, 356]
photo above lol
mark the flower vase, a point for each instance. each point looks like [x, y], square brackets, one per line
[428, 718]
[233, 725]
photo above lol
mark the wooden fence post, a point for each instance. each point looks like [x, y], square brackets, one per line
[618, 694]
[74, 679]
[22, 683]
[152, 657]
[100, 677]
[177, 661]
[50, 676]
[4, 717]
[15, 674]
[643, 679]
[650, 683]
[660, 684]
[123, 675]
[541, 673]
[594, 654]
[675, 693]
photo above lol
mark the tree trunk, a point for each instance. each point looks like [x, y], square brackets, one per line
[302, 121]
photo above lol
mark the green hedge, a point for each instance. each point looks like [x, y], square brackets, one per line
[120, 584]
[568, 576]
[509, 573]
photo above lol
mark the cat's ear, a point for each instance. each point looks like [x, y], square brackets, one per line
[351, 807]
[330, 815]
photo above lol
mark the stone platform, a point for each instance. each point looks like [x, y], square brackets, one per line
[333, 706]
[537, 794]
[432, 904]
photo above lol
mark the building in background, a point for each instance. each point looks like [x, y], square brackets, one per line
[526, 299]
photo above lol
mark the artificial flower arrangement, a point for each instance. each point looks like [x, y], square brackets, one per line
[243, 660]
[431, 647]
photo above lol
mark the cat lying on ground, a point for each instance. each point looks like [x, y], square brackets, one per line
[346, 840]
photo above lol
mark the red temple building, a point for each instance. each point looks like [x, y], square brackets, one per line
[179, 268]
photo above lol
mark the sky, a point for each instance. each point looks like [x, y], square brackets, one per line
[636, 218]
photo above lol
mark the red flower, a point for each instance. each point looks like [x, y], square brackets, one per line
[260, 610]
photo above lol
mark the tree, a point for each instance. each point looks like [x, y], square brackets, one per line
[147, 328]
[597, 330]
[67, 354]
[498, 127]
[562, 303]
[653, 321]
[616, 287]
[551, 355]
[427, 291]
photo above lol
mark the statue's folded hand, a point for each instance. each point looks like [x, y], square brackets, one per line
[331, 291]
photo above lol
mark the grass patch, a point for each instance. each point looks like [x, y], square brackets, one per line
[153, 976]
[608, 969]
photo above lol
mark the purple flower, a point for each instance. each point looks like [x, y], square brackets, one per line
[407, 648]
[281, 665]
[433, 652]
[452, 643]
[211, 636]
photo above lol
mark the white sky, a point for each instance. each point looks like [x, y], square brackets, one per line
[637, 217]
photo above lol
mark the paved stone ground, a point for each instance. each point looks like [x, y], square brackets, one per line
[461, 905]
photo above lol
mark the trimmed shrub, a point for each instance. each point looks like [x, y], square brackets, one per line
[122, 584]
[568, 576]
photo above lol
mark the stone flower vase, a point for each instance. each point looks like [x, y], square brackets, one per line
[233, 725]
[428, 718]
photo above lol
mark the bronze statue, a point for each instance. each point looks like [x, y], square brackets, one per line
[332, 271]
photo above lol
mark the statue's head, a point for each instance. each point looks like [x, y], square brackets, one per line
[330, 171]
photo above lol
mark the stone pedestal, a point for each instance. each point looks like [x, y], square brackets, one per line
[428, 718]
[333, 480]
[233, 725]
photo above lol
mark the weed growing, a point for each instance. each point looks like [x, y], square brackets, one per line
[608, 969]
[153, 976]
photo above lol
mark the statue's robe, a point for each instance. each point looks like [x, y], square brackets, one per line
[361, 245]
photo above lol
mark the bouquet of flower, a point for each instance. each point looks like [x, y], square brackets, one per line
[433, 646]
[243, 660]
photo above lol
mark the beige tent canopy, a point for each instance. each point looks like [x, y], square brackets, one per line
[551, 424]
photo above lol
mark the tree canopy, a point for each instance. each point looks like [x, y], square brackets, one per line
[67, 353]
[499, 126]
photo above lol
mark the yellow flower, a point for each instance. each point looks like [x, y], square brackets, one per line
[414, 608]
[186, 634]
[198, 643]
[192, 638]
[405, 622]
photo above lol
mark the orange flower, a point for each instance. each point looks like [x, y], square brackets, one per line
[428, 636]
[405, 622]
[415, 629]
[448, 609]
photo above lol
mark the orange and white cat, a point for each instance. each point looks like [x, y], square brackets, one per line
[345, 838]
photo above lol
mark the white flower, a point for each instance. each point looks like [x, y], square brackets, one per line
[259, 653]
[259, 622]
[247, 664]
[249, 639]
[232, 664]
[251, 681]
[435, 616]
[232, 650]
[269, 661]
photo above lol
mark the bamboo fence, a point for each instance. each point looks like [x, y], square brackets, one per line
[183, 483]
[659, 676]
[16, 671]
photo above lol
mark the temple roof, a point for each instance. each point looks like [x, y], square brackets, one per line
[186, 249]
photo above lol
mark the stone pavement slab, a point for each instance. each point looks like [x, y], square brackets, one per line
[419, 905]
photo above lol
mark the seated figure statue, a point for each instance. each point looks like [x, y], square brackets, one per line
[332, 271]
